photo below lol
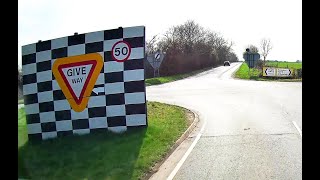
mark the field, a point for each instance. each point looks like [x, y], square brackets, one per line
[294, 65]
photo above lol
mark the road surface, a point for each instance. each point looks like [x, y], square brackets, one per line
[253, 129]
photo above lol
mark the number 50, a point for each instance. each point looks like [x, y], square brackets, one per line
[121, 51]
[124, 51]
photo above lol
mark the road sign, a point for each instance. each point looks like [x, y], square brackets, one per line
[76, 76]
[83, 82]
[277, 72]
[251, 64]
[283, 72]
[121, 51]
[150, 60]
[155, 59]
[251, 58]
[269, 71]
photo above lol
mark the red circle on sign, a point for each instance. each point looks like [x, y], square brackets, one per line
[128, 51]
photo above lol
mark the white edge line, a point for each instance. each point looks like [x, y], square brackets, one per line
[295, 124]
[176, 169]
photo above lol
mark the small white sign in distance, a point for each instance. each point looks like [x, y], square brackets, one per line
[283, 72]
[155, 59]
[157, 56]
[270, 71]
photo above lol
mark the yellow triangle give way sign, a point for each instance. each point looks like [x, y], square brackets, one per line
[76, 76]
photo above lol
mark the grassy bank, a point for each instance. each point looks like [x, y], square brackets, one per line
[102, 155]
[166, 79]
[255, 74]
[243, 72]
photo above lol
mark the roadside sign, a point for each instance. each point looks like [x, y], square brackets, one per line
[155, 59]
[121, 51]
[150, 60]
[251, 58]
[251, 64]
[269, 71]
[76, 76]
[83, 82]
[283, 72]
[277, 72]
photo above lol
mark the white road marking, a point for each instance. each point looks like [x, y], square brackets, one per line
[175, 170]
[295, 124]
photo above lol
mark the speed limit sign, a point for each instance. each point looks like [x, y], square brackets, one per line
[121, 51]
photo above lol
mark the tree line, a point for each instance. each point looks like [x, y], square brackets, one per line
[189, 47]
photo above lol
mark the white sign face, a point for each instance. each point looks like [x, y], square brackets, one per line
[155, 59]
[157, 56]
[77, 77]
[270, 71]
[277, 72]
[121, 51]
[283, 72]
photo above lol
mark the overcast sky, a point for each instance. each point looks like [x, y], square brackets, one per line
[243, 22]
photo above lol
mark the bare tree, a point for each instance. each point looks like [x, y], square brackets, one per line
[151, 45]
[190, 47]
[265, 48]
[252, 48]
[233, 57]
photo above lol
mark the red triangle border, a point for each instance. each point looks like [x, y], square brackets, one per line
[93, 62]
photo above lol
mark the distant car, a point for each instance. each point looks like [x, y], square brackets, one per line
[226, 63]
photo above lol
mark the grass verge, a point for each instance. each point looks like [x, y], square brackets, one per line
[102, 155]
[255, 74]
[243, 72]
[166, 79]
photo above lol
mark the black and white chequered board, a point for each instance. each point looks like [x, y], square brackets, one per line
[121, 105]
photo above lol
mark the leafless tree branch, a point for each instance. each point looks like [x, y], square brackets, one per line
[266, 46]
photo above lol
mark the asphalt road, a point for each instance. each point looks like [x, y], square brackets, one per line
[249, 131]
